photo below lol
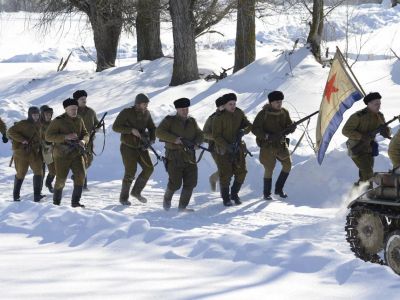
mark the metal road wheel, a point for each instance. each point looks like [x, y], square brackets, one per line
[392, 251]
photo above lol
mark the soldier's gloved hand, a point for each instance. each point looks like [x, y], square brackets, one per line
[384, 132]
[4, 138]
[292, 128]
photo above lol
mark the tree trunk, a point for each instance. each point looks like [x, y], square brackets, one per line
[316, 28]
[106, 21]
[148, 30]
[185, 60]
[245, 44]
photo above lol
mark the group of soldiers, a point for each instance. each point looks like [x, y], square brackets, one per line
[40, 141]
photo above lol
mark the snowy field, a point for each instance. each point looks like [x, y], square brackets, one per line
[292, 249]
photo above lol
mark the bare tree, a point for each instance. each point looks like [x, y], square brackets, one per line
[210, 12]
[185, 60]
[148, 30]
[245, 44]
[106, 18]
[316, 28]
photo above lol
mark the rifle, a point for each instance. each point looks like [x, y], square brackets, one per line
[289, 129]
[190, 145]
[360, 146]
[74, 145]
[93, 132]
[238, 142]
[147, 145]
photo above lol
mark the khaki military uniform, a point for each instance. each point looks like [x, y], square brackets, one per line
[270, 121]
[131, 148]
[29, 155]
[394, 151]
[207, 131]
[182, 166]
[225, 130]
[90, 120]
[359, 124]
[3, 127]
[65, 156]
[47, 149]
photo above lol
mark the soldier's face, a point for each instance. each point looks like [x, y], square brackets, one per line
[82, 101]
[374, 105]
[276, 104]
[142, 106]
[35, 117]
[48, 116]
[230, 106]
[183, 112]
[72, 111]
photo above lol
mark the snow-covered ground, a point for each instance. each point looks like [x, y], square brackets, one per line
[279, 249]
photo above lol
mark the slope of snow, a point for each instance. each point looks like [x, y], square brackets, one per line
[287, 249]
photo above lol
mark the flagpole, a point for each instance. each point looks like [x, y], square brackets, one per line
[351, 71]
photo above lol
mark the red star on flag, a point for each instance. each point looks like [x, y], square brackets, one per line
[330, 88]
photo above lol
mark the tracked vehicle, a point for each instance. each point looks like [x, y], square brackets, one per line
[373, 223]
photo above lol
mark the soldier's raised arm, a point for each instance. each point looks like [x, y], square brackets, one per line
[163, 131]
[15, 132]
[120, 123]
[350, 128]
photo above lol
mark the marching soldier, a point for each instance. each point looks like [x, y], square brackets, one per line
[46, 114]
[181, 134]
[267, 125]
[25, 137]
[207, 131]
[90, 120]
[69, 135]
[228, 129]
[3, 131]
[358, 128]
[132, 123]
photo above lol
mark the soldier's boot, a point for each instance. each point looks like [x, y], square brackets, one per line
[17, 188]
[76, 196]
[226, 200]
[167, 199]
[37, 188]
[138, 187]
[57, 195]
[184, 200]
[213, 181]
[280, 183]
[124, 195]
[85, 185]
[267, 188]
[234, 192]
[49, 182]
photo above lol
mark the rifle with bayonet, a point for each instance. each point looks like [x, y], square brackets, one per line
[92, 133]
[277, 136]
[146, 144]
[364, 142]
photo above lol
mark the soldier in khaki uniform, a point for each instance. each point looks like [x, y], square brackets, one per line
[394, 152]
[132, 123]
[269, 122]
[69, 135]
[46, 114]
[3, 131]
[358, 127]
[207, 131]
[90, 120]
[228, 126]
[182, 167]
[25, 137]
